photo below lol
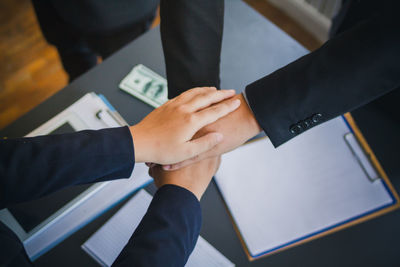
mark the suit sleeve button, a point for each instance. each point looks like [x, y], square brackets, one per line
[316, 117]
[295, 129]
[307, 123]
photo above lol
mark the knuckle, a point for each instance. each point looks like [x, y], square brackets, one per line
[213, 141]
[197, 90]
[190, 118]
[187, 92]
[219, 108]
[207, 90]
[212, 90]
[183, 108]
[189, 150]
[227, 105]
[206, 95]
[194, 159]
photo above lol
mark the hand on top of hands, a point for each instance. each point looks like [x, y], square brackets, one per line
[165, 136]
[237, 127]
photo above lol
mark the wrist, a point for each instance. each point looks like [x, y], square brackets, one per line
[138, 144]
[249, 117]
[180, 178]
[183, 182]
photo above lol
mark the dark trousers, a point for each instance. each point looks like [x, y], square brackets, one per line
[79, 51]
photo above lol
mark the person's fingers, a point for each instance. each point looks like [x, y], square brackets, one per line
[202, 144]
[208, 98]
[150, 164]
[182, 164]
[213, 113]
[189, 94]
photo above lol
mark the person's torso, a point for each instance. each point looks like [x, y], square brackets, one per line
[102, 16]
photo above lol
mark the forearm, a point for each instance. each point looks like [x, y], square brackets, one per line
[33, 167]
[168, 232]
[350, 70]
[191, 34]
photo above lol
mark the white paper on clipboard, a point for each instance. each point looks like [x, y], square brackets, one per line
[278, 196]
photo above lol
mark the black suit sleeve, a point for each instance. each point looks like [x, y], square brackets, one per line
[191, 33]
[168, 232]
[348, 71]
[33, 167]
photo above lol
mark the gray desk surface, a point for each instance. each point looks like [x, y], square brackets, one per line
[252, 48]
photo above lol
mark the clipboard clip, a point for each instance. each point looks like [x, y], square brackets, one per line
[111, 119]
[362, 157]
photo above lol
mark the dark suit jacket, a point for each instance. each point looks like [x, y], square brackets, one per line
[34, 167]
[357, 65]
[91, 16]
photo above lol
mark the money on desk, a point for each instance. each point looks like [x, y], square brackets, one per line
[146, 85]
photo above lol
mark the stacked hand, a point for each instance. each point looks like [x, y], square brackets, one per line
[165, 136]
[237, 127]
[188, 134]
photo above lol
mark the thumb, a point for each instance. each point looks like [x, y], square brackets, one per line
[204, 143]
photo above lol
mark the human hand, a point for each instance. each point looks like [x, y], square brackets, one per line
[194, 178]
[237, 127]
[165, 136]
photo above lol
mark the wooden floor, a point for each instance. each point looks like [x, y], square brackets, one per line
[30, 69]
[286, 23]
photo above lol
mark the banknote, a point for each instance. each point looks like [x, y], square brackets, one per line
[146, 85]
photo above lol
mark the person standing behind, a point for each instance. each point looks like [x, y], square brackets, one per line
[359, 64]
[83, 30]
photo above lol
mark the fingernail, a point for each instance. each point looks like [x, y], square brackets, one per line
[219, 137]
[166, 167]
[236, 103]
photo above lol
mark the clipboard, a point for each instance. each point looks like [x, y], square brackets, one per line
[348, 119]
[79, 205]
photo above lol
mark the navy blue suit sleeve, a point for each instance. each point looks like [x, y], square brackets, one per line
[33, 167]
[168, 232]
[350, 70]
